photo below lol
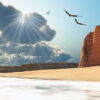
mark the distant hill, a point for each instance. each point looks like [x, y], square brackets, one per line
[37, 66]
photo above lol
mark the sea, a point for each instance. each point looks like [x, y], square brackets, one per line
[36, 89]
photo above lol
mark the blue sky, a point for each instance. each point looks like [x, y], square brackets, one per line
[69, 36]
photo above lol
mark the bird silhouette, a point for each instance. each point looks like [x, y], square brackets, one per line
[48, 12]
[70, 15]
[79, 23]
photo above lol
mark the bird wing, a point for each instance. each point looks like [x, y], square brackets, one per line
[82, 24]
[71, 14]
[76, 21]
[79, 23]
[67, 12]
[75, 15]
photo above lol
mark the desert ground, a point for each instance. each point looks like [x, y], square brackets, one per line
[81, 74]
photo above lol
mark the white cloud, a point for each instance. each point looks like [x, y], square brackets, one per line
[39, 52]
[23, 28]
[22, 36]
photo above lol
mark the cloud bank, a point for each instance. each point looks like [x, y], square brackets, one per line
[22, 54]
[23, 39]
[23, 28]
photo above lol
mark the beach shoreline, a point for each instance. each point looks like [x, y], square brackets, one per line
[73, 74]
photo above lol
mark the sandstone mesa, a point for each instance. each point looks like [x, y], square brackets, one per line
[90, 55]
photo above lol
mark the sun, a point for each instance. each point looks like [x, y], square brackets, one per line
[23, 17]
[26, 14]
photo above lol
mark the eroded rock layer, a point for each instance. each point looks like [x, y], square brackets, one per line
[90, 55]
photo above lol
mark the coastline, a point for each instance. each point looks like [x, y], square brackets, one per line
[72, 74]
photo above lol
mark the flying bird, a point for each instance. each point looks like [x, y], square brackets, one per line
[79, 23]
[48, 12]
[70, 15]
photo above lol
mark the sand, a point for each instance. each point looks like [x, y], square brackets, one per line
[81, 74]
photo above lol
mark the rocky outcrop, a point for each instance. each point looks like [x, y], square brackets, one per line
[90, 55]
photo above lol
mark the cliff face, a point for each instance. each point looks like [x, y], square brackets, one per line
[90, 55]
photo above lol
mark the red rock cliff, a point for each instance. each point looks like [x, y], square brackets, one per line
[90, 55]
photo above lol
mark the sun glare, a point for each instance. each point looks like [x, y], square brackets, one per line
[26, 14]
[0, 33]
[23, 17]
[23, 20]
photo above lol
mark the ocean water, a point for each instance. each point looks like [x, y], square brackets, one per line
[35, 89]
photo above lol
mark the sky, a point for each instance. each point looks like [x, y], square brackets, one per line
[69, 36]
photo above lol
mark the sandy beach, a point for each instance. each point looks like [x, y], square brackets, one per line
[81, 74]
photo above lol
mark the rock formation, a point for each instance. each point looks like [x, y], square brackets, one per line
[90, 55]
